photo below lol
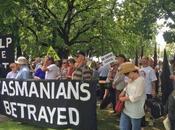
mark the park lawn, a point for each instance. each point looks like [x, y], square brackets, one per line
[106, 121]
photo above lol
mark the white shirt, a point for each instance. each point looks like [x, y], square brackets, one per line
[134, 107]
[149, 75]
[53, 72]
[11, 75]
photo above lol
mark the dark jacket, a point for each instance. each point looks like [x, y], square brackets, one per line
[171, 106]
[3, 72]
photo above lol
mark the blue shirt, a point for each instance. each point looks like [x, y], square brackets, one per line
[103, 71]
[23, 73]
[39, 73]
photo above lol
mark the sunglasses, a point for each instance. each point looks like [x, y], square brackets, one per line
[113, 65]
[126, 74]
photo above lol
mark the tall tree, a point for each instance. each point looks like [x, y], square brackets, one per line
[155, 55]
[83, 24]
[168, 12]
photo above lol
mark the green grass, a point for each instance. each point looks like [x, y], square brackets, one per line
[106, 121]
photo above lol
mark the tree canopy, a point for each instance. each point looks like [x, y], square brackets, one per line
[95, 26]
[168, 7]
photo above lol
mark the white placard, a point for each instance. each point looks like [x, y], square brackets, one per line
[108, 58]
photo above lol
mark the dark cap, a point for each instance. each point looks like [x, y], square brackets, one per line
[122, 56]
[80, 53]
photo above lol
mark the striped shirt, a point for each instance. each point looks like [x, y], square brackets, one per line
[82, 73]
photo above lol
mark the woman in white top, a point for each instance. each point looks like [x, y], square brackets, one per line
[134, 97]
[12, 74]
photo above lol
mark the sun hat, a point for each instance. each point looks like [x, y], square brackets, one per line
[21, 60]
[127, 67]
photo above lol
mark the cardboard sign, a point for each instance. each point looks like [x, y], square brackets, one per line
[51, 52]
[108, 58]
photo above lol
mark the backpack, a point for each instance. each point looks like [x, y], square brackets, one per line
[156, 107]
[105, 102]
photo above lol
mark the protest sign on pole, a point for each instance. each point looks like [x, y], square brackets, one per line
[7, 52]
[51, 52]
[50, 103]
[108, 58]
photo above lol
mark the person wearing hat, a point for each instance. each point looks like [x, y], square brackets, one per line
[119, 79]
[22, 65]
[133, 97]
[82, 71]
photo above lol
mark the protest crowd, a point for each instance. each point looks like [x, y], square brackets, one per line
[137, 88]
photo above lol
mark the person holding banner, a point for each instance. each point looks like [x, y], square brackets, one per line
[22, 65]
[12, 74]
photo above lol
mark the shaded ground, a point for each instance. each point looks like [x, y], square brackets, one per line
[108, 121]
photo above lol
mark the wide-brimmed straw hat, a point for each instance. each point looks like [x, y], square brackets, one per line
[21, 60]
[127, 67]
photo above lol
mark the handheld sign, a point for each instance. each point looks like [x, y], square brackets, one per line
[50, 103]
[108, 58]
[51, 52]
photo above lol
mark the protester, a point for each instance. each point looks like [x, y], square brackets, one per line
[119, 79]
[64, 69]
[71, 68]
[82, 71]
[39, 73]
[148, 73]
[103, 72]
[94, 68]
[150, 77]
[171, 110]
[51, 69]
[133, 97]
[110, 91]
[12, 74]
[22, 65]
[38, 63]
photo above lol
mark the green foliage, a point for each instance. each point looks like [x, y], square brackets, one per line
[96, 26]
[168, 7]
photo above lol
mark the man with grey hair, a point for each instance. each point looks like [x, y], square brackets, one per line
[22, 65]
